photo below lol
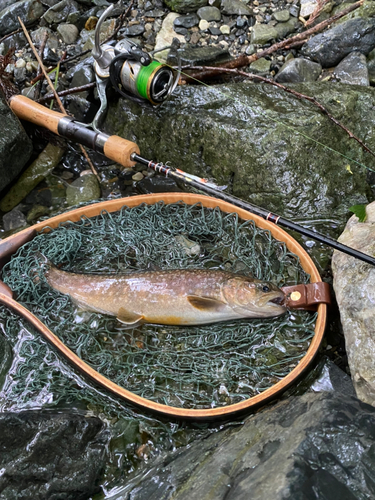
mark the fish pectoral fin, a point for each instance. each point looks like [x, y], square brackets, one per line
[205, 303]
[128, 318]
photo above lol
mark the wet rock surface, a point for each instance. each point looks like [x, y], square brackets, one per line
[226, 136]
[313, 446]
[354, 284]
[15, 146]
[49, 455]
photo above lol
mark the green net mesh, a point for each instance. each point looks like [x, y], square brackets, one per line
[190, 367]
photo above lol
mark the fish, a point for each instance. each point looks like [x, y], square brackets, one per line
[170, 297]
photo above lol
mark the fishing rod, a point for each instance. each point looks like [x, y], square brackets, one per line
[211, 189]
[127, 153]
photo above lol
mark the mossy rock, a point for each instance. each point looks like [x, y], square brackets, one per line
[255, 139]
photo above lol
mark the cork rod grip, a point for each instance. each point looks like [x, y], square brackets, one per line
[31, 111]
[118, 149]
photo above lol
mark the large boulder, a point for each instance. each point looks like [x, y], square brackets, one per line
[15, 146]
[50, 455]
[253, 138]
[354, 284]
[331, 46]
[310, 447]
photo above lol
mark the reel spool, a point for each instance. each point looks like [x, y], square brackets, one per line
[132, 72]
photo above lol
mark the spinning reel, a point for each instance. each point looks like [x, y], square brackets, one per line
[131, 71]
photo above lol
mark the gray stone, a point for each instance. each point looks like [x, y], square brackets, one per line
[61, 12]
[185, 6]
[15, 146]
[317, 446]
[85, 188]
[186, 21]
[27, 10]
[299, 70]
[235, 7]
[49, 454]
[68, 32]
[353, 69]
[199, 55]
[354, 284]
[134, 30]
[13, 220]
[6, 357]
[239, 135]
[5, 3]
[263, 33]
[282, 16]
[284, 29]
[166, 35]
[371, 66]
[330, 47]
[37, 37]
[260, 66]
[209, 13]
[308, 7]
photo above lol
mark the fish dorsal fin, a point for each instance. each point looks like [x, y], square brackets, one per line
[128, 318]
[205, 303]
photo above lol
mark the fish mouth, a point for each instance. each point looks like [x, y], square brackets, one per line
[277, 300]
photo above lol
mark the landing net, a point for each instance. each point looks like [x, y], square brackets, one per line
[190, 367]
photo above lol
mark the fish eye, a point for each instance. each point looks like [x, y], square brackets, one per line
[266, 288]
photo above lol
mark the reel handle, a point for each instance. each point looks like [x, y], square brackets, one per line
[114, 147]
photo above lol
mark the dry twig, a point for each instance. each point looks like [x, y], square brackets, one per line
[244, 60]
[63, 93]
[293, 92]
[57, 98]
[316, 12]
[6, 85]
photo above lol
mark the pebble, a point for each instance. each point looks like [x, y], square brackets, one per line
[203, 25]
[225, 29]
[209, 13]
[138, 176]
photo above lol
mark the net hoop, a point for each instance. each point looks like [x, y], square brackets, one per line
[11, 244]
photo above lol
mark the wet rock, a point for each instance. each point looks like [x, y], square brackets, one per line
[299, 70]
[185, 6]
[85, 188]
[263, 33]
[28, 11]
[157, 184]
[37, 211]
[186, 21]
[282, 16]
[165, 36]
[68, 32]
[285, 29]
[49, 455]
[209, 13]
[235, 7]
[37, 37]
[260, 66]
[353, 70]
[199, 55]
[134, 30]
[138, 176]
[83, 76]
[354, 284]
[371, 66]
[35, 173]
[308, 447]
[66, 10]
[331, 46]
[13, 220]
[227, 134]
[82, 109]
[15, 146]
